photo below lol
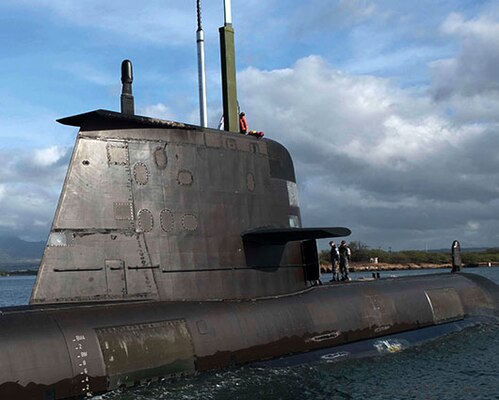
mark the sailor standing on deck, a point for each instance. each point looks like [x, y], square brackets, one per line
[334, 256]
[243, 125]
[345, 253]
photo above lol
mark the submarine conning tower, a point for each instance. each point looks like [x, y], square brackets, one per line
[160, 210]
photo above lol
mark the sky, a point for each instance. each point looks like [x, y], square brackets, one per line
[390, 109]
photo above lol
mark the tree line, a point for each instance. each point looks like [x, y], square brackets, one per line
[363, 253]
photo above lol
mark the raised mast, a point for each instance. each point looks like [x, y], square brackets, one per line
[203, 114]
[228, 61]
[227, 12]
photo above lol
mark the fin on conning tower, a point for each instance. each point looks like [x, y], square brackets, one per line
[160, 210]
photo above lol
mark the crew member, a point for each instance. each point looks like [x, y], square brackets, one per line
[243, 125]
[334, 256]
[456, 256]
[345, 253]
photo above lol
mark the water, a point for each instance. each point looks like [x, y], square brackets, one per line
[15, 290]
[460, 366]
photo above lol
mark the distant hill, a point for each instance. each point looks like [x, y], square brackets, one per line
[16, 253]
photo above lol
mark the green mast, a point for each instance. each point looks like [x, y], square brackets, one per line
[229, 85]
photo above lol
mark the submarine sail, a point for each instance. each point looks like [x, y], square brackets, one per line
[165, 211]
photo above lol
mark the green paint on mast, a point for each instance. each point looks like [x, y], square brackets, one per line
[228, 61]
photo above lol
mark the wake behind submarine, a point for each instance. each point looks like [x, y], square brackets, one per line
[177, 249]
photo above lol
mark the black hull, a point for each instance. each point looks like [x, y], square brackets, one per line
[54, 352]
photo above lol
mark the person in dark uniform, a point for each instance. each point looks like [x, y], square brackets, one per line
[345, 253]
[456, 256]
[334, 256]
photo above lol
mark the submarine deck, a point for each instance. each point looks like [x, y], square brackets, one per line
[323, 286]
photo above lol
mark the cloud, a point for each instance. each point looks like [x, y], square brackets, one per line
[482, 27]
[362, 117]
[48, 156]
[158, 110]
[45, 166]
[376, 157]
[27, 210]
[473, 72]
[30, 184]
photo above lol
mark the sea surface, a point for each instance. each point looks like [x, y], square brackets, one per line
[463, 365]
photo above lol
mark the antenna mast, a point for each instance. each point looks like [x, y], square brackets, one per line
[228, 56]
[203, 114]
[227, 12]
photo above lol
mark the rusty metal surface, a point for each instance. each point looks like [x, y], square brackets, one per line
[172, 204]
[133, 353]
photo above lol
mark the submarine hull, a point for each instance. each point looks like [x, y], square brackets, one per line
[49, 352]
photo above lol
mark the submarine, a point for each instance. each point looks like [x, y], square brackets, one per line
[177, 249]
